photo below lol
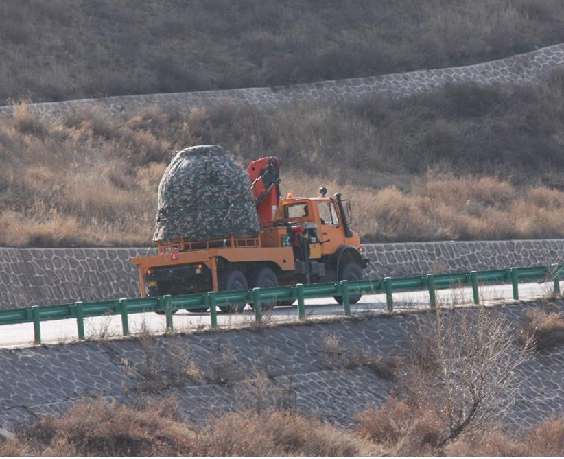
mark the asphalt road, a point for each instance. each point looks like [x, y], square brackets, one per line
[63, 331]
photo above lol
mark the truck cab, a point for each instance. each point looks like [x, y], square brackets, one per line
[321, 236]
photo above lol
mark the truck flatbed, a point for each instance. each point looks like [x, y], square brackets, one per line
[233, 250]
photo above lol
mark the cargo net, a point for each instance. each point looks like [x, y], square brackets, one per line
[204, 194]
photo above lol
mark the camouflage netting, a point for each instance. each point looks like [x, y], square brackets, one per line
[204, 194]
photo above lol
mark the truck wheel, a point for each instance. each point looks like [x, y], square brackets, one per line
[350, 271]
[265, 278]
[232, 280]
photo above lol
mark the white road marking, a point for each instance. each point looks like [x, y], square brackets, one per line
[64, 331]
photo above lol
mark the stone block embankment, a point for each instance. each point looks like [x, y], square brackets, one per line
[320, 377]
[519, 69]
[53, 276]
[408, 259]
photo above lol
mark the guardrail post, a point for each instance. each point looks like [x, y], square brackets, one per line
[556, 278]
[36, 324]
[301, 301]
[168, 312]
[475, 289]
[346, 297]
[432, 293]
[79, 319]
[257, 304]
[210, 303]
[124, 316]
[515, 281]
[388, 289]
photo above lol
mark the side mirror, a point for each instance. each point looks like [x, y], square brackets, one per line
[348, 208]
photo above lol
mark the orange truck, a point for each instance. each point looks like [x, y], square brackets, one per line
[302, 240]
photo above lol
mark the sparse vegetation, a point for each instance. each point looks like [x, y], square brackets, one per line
[153, 428]
[544, 440]
[166, 364]
[403, 429]
[460, 379]
[60, 49]
[544, 328]
[463, 163]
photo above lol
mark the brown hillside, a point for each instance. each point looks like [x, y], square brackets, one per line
[466, 162]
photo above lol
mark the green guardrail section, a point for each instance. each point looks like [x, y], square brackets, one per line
[168, 304]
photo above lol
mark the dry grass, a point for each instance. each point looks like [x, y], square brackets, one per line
[403, 429]
[165, 364]
[85, 181]
[279, 434]
[108, 48]
[154, 429]
[546, 329]
[107, 429]
[544, 440]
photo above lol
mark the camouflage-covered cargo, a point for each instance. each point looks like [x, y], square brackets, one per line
[204, 194]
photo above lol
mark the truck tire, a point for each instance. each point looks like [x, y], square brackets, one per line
[350, 271]
[264, 278]
[232, 279]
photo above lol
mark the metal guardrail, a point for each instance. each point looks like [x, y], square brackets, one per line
[300, 292]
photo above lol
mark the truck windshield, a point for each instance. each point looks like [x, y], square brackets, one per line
[296, 210]
[328, 213]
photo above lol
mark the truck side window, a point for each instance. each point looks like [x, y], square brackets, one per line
[328, 213]
[296, 210]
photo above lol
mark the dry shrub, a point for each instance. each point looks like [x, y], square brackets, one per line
[107, 429]
[277, 434]
[167, 363]
[459, 379]
[11, 448]
[385, 367]
[492, 442]
[154, 429]
[259, 393]
[337, 354]
[405, 429]
[225, 368]
[546, 439]
[331, 350]
[26, 122]
[543, 197]
[546, 329]
[51, 229]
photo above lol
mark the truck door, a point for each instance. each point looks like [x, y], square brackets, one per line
[330, 228]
